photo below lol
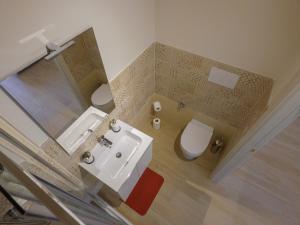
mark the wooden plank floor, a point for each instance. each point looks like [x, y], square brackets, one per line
[188, 196]
[270, 181]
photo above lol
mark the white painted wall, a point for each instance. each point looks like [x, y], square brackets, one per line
[123, 30]
[283, 82]
[17, 118]
[261, 36]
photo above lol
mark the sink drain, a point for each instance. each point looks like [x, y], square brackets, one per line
[119, 154]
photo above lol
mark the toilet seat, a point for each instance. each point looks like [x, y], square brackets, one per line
[102, 95]
[195, 138]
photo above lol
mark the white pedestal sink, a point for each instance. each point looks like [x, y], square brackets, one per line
[121, 165]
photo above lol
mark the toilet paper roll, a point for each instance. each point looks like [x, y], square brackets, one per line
[156, 123]
[157, 106]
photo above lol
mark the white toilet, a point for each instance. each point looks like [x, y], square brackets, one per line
[195, 139]
[102, 98]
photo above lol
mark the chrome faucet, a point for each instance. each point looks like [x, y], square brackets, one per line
[104, 141]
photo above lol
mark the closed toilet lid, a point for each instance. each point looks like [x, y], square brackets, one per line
[102, 95]
[196, 137]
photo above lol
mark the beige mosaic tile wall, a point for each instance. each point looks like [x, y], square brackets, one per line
[134, 85]
[183, 77]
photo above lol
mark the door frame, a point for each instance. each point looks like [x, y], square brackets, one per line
[266, 128]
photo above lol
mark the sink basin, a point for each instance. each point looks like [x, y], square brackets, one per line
[114, 165]
[119, 155]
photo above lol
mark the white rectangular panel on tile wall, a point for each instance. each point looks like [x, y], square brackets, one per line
[223, 77]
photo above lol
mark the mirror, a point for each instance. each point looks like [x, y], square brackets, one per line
[55, 91]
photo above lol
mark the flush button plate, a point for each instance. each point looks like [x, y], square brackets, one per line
[223, 78]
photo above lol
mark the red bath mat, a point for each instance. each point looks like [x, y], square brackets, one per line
[145, 191]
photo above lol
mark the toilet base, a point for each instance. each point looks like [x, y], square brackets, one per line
[189, 157]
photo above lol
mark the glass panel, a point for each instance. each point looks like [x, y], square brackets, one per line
[22, 205]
